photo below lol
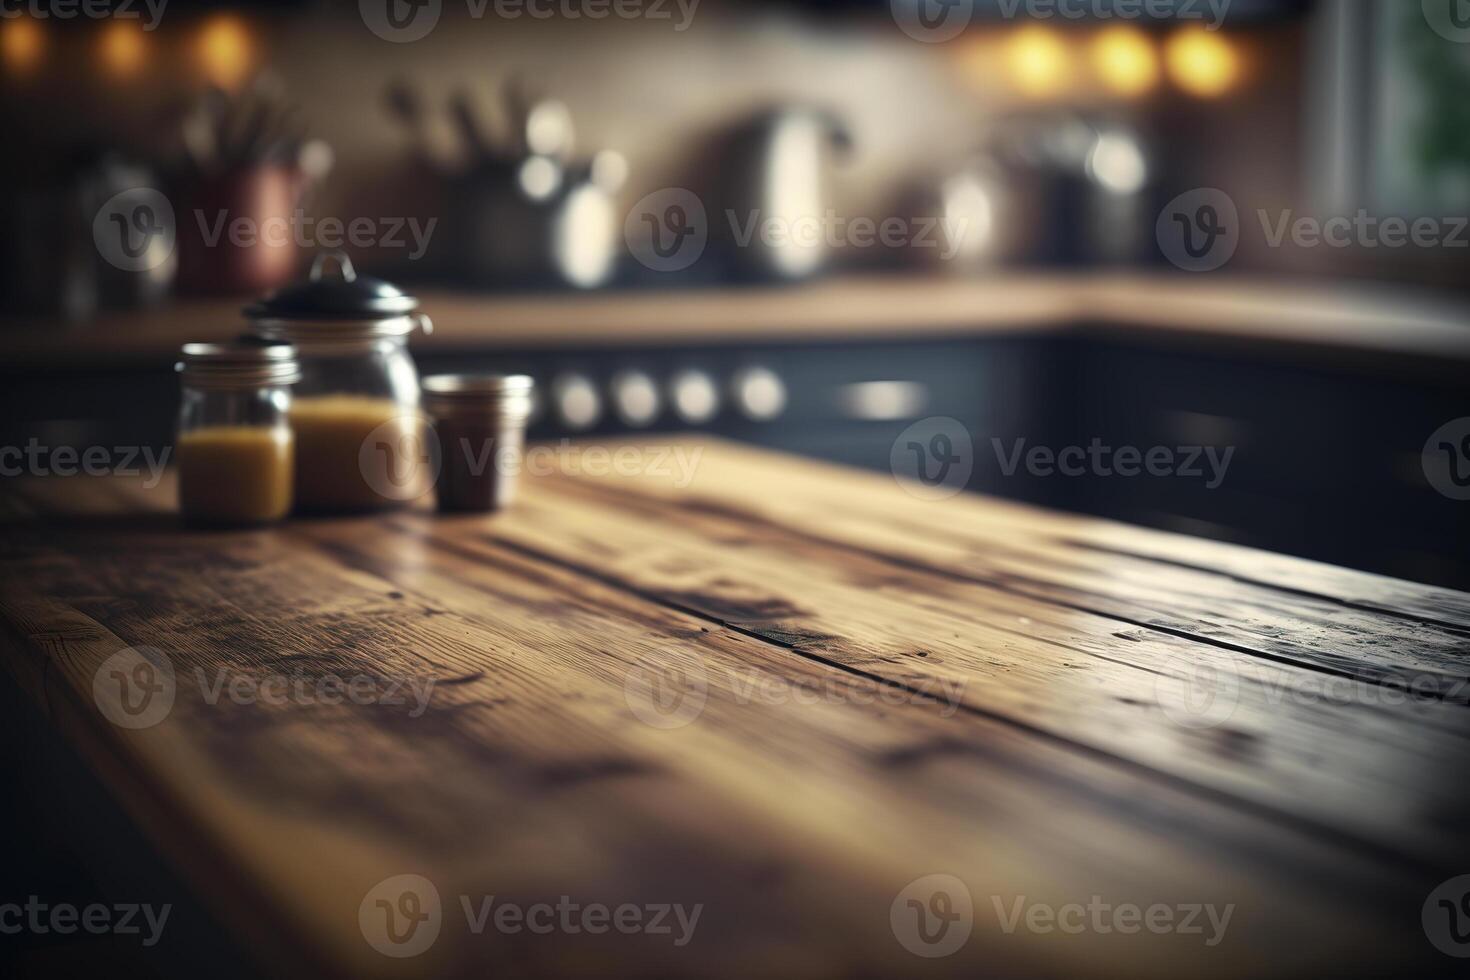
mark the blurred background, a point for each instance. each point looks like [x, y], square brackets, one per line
[809, 225]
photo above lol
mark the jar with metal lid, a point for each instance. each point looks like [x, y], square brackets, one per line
[235, 449]
[360, 435]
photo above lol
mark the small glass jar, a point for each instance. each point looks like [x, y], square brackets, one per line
[360, 434]
[235, 448]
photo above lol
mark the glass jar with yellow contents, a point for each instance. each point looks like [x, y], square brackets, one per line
[235, 450]
[361, 439]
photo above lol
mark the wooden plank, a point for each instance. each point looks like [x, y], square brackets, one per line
[954, 533]
[1369, 771]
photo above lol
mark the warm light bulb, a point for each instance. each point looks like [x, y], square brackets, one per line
[1037, 58]
[1125, 60]
[225, 50]
[1202, 62]
[21, 45]
[122, 48]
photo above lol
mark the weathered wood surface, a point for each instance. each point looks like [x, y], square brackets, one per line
[891, 689]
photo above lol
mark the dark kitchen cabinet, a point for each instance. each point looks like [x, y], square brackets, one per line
[1326, 451]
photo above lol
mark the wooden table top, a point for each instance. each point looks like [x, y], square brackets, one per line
[779, 696]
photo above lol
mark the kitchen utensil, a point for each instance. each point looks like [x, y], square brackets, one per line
[775, 167]
[527, 213]
[359, 433]
[480, 421]
[235, 446]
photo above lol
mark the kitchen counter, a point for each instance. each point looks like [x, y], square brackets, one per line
[1371, 320]
[779, 690]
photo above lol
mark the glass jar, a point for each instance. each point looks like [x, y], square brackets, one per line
[360, 435]
[235, 448]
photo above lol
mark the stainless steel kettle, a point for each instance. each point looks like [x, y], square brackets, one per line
[773, 198]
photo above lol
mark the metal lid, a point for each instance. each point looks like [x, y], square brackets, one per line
[478, 395]
[343, 295]
[241, 364]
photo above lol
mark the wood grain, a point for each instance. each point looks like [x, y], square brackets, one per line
[887, 689]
